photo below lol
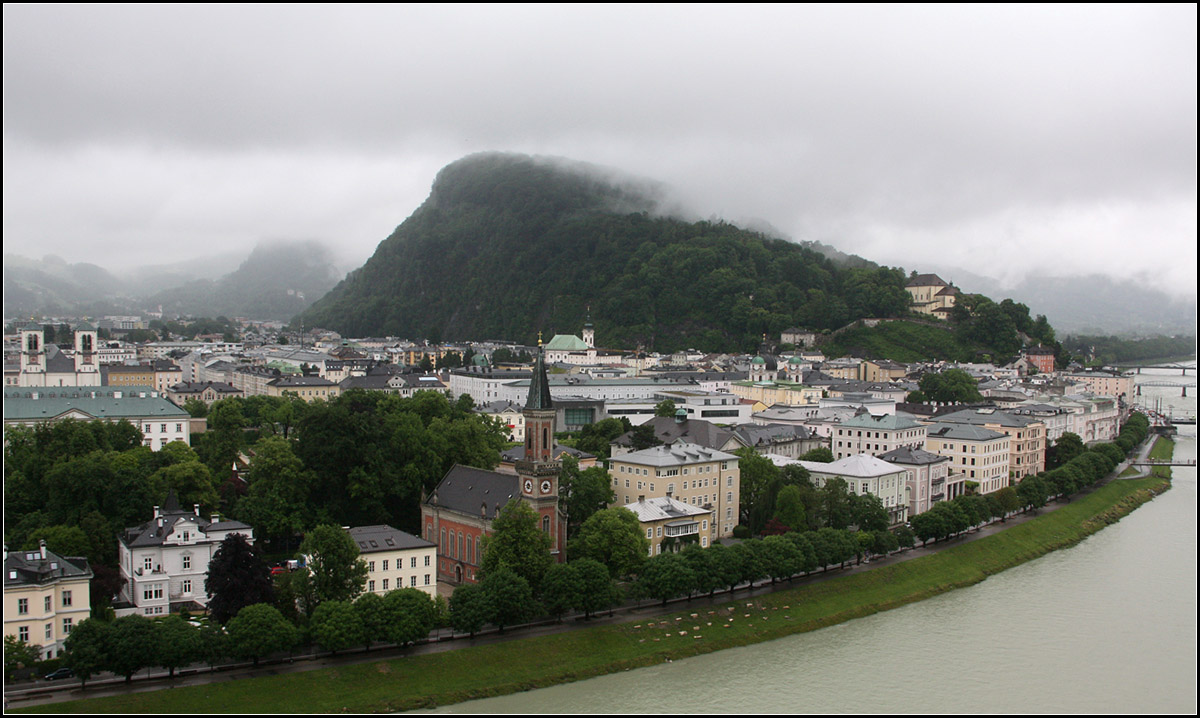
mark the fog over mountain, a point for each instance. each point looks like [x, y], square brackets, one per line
[1012, 139]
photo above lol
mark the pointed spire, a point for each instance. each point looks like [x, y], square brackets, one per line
[539, 385]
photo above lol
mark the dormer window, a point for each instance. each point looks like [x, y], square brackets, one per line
[186, 535]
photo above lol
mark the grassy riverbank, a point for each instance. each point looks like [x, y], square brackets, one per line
[474, 672]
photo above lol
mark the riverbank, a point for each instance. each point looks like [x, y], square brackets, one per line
[485, 670]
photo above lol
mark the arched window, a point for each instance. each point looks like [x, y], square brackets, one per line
[546, 524]
[32, 344]
[546, 439]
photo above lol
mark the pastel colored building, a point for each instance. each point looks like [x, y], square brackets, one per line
[45, 596]
[693, 474]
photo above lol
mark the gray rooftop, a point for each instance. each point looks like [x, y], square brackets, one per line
[381, 537]
[471, 491]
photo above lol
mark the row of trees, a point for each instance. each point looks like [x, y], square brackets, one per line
[773, 498]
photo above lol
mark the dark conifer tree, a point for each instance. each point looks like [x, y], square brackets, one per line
[237, 577]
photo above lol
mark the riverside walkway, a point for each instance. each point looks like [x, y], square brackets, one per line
[41, 693]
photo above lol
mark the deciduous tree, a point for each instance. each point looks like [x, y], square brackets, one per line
[237, 577]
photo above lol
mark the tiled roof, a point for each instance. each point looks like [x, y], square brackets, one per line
[681, 452]
[26, 568]
[466, 489]
[371, 539]
[95, 402]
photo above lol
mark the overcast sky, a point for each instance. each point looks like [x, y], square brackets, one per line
[1003, 139]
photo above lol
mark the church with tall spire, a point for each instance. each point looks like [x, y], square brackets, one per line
[460, 510]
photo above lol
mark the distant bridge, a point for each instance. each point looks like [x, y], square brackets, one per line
[1183, 368]
[1163, 462]
[1182, 385]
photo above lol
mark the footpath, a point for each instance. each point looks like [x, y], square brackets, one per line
[40, 692]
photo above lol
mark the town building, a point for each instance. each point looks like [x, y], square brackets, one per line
[460, 510]
[931, 295]
[691, 473]
[160, 421]
[978, 452]
[865, 474]
[671, 524]
[930, 477]
[875, 434]
[206, 391]
[395, 559]
[1027, 436]
[45, 596]
[164, 562]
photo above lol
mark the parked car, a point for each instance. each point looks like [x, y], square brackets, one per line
[60, 673]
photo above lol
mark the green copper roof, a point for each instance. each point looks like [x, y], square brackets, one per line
[758, 360]
[566, 342]
[539, 386]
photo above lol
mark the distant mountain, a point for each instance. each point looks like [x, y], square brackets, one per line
[52, 286]
[276, 281]
[1095, 305]
[510, 246]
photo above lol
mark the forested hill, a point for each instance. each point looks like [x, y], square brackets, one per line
[509, 245]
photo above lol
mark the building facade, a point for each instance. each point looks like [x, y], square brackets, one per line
[690, 473]
[164, 561]
[396, 559]
[45, 596]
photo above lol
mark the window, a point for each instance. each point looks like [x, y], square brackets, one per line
[186, 586]
[178, 427]
[148, 563]
[22, 606]
[385, 584]
[162, 428]
[68, 624]
[426, 579]
[412, 581]
[48, 604]
[426, 563]
[49, 631]
[413, 562]
[385, 565]
[371, 566]
[371, 586]
[148, 428]
[187, 559]
[23, 633]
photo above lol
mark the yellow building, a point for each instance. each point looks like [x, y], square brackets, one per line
[396, 559]
[690, 473]
[931, 295]
[772, 393]
[45, 596]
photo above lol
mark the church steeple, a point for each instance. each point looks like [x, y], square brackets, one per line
[538, 471]
[539, 385]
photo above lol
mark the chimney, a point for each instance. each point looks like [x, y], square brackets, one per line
[155, 512]
[197, 508]
[42, 548]
[216, 518]
[642, 499]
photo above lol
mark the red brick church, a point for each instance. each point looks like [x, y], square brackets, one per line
[461, 508]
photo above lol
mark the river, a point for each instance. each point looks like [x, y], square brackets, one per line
[1107, 626]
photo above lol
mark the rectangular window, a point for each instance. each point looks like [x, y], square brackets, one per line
[148, 563]
[162, 428]
[49, 631]
[650, 533]
[371, 566]
[385, 584]
[412, 581]
[22, 606]
[427, 561]
[68, 624]
[187, 560]
[23, 634]
[48, 604]
[426, 579]
[385, 565]
[371, 586]
[413, 562]
[186, 586]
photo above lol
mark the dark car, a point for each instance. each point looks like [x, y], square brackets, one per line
[60, 673]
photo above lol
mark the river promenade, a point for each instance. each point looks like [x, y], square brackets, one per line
[40, 693]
